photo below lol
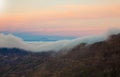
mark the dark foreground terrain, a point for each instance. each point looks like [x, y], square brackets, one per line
[101, 59]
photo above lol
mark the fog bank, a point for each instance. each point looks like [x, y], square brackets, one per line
[11, 41]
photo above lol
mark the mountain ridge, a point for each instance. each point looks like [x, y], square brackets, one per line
[100, 59]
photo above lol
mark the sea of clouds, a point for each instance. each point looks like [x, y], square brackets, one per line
[11, 41]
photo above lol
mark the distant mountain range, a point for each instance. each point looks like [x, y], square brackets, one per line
[101, 59]
[35, 37]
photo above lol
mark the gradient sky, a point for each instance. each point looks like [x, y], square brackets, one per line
[59, 17]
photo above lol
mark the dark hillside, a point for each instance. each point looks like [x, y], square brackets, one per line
[101, 59]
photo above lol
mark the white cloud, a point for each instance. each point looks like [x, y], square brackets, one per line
[11, 41]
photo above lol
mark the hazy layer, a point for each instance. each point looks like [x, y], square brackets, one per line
[11, 41]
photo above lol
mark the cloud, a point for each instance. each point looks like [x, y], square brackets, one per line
[11, 41]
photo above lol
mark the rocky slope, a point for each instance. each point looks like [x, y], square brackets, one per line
[100, 59]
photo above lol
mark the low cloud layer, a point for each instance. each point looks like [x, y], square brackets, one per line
[11, 41]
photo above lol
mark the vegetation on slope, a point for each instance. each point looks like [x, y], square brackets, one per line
[100, 59]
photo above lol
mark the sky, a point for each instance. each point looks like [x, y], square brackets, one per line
[59, 17]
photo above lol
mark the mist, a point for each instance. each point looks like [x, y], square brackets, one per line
[11, 41]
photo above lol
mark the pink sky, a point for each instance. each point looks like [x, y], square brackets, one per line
[67, 18]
